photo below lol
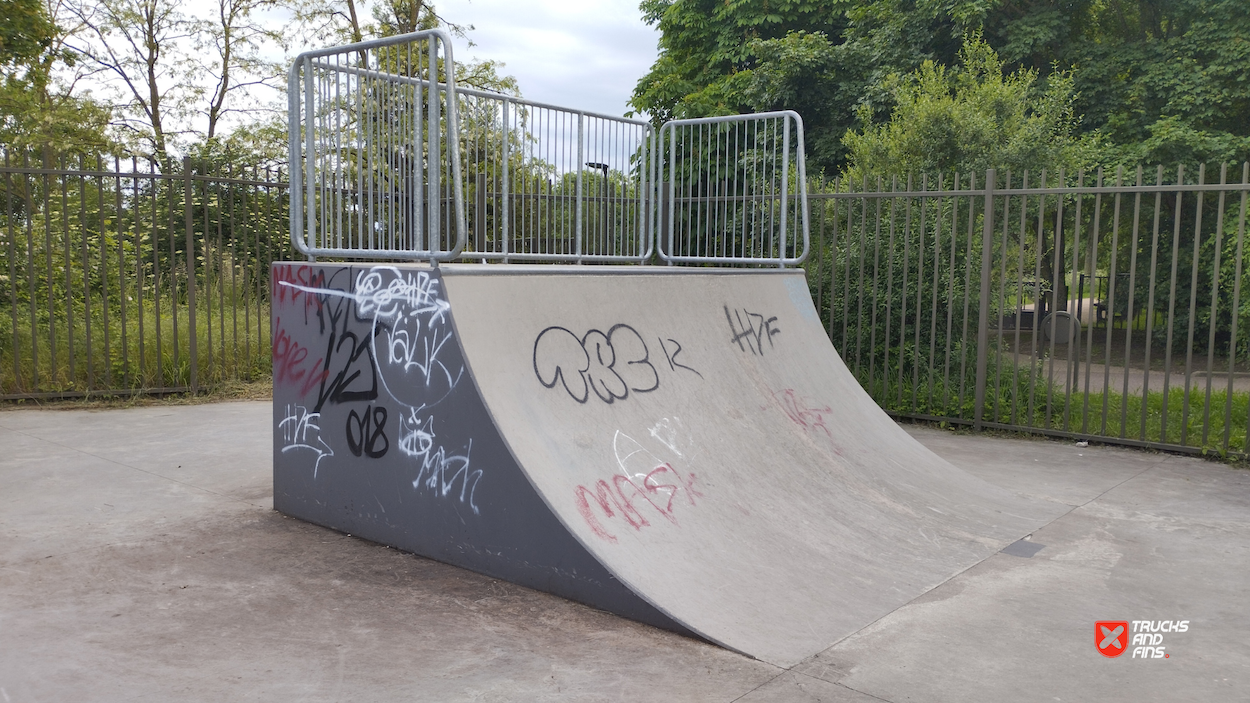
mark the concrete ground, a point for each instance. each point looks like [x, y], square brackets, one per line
[141, 560]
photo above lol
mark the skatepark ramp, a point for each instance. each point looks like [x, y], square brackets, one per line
[681, 446]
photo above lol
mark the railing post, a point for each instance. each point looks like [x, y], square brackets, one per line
[479, 220]
[983, 315]
[577, 207]
[190, 234]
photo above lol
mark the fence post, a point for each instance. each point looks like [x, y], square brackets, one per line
[190, 233]
[479, 219]
[983, 315]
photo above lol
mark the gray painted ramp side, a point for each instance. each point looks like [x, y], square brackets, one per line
[380, 432]
[699, 434]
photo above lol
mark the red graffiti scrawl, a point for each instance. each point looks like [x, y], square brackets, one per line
[289, 283]
[807, 414]
[291, 363]
[632, 500]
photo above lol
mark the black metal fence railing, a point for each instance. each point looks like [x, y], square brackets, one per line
[1106, 306]
[120, 279]
[1089, 305]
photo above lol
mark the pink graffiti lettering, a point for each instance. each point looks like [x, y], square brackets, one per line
[806, 414]
[296, 276]
[289, 367]
[659, 490]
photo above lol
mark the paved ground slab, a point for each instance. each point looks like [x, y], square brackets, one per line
[140, 559]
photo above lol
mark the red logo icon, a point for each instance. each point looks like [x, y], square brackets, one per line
[1111, 637]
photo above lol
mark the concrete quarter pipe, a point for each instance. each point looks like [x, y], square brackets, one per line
[681, 447]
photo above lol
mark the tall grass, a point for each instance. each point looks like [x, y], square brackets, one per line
[150, 350]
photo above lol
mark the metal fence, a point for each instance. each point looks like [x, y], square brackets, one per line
[377, 148]
[385, 146]
[1098, 306]
[1101, 306]
[552, 184]
[121, 279]
[734, 190]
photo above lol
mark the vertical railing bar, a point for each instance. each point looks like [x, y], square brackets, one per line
[505, 194]
[47, 236]
[1091, 267]
[904, 298]
[159, 377]
[220, 275]
[920, 278]
[1193, 307]
[950, 297]
[819, 298]
[139, 277]
[234, 282]
[118, 219]
[1215, 295]
[430, 241]
[1002, 299]
[64, 179]
[1035, 360]
[859, 317]
[833, 268]
[192, 318]
[1020, 297]
[876, 280]
[1232, 342]
[1132, 300]
[963, 339]
[889, 297]
[1167, 359]
[30, 274]
[1112, 274]
[248, 290]
[785, 208]
[267, 283]
[1056, 264]
[846, 293]
[8, 210]
[175, 379]
[108, 346]
[983, 315]
[1072, 379]
[1150, 303]
[937, 267]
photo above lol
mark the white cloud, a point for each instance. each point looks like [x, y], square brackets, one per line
[586, 55]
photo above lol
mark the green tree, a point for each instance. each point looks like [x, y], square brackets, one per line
[39, 116]
[1155, 80]
[708, 48]
[969, 118]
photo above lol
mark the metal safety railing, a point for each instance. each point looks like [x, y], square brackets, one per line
[734, 190]
[547, 183]
[388, 167]
[374, 149]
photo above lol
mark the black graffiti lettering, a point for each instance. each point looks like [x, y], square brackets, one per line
[343, 366]
[560, 358]
[673, 363]
[612, 365]
[637, 373]
[755, 329]
[365, 432]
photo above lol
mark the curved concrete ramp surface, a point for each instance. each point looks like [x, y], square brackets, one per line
[683, 447]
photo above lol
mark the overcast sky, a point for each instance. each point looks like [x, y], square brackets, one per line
[584, 54]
